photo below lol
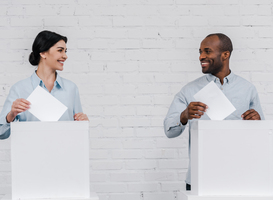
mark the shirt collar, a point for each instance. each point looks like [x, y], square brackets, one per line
[228, 79]
[59, 81]
[37, 81]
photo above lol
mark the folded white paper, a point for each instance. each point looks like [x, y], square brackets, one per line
[219, 107]
[44, 106]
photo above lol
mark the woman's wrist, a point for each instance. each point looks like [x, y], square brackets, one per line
[9, 117]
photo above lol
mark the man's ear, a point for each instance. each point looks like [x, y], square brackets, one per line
[225, 55]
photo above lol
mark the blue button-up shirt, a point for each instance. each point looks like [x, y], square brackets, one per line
[242, 94]
[64, 90]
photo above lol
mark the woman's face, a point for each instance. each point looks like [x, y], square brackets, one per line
[55, 56]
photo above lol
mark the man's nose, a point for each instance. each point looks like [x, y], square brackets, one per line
[202, 56]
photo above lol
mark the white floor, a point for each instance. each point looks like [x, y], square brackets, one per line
[185, 195]
[93, 196]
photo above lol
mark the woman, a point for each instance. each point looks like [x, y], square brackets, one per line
[49, 53]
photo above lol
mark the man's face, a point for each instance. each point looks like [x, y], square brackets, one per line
[210, 55]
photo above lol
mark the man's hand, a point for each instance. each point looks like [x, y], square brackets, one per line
[251, 115]
[194, 110]
[18, 106]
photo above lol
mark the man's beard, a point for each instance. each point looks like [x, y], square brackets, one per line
[216, 67]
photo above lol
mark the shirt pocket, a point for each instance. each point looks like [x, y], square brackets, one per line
[241, 107]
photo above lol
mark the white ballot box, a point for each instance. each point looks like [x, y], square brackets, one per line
[50, 160]
[231, 160]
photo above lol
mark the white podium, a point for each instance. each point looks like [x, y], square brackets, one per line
[231, 160]
[50, 160]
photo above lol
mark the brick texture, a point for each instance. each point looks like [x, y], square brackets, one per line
[129, 58]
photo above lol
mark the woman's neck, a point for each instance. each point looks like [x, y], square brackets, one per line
[47, 75]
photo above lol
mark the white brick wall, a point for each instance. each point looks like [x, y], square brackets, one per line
[129, 58]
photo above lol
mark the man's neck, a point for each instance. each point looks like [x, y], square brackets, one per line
[221, 75]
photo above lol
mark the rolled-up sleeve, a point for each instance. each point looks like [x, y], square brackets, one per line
[77, 102]
[4, 131]
[4, 126]
[255, 103]
[172, 124]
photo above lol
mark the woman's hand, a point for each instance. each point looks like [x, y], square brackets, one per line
[80, 117]
[18, 106]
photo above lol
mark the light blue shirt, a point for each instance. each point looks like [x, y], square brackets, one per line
[64, 90]
[242, 94]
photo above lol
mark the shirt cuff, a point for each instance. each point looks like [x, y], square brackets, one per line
[175, 127]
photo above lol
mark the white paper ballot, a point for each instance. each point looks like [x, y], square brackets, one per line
[219, 107]
[44, 106]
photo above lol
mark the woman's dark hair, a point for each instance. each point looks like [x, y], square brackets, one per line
[43, 42]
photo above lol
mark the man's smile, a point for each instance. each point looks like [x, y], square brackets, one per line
[204, 63]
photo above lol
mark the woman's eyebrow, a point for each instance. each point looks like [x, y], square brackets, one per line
[61, 48]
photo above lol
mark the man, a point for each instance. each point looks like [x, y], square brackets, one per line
[215, 51]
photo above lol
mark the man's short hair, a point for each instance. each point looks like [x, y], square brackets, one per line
[225, 42]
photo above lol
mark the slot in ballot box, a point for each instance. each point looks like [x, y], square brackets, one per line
[231, 160]
[50, 160]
